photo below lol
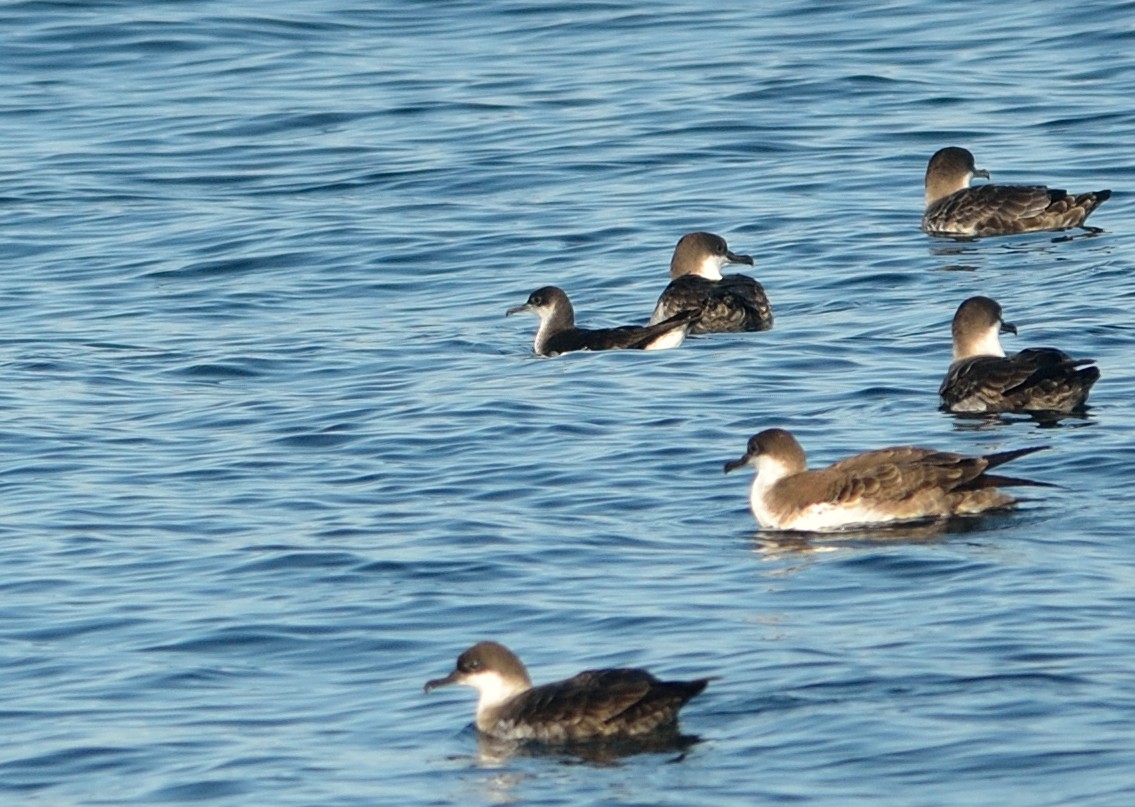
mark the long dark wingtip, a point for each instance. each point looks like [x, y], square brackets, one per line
[695, 687]
[1002, 457]
[686, 315]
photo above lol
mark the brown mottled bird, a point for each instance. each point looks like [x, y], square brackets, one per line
[954, 208]
[983, 380]
[726, 303]
[887, 485]
[558, 334]
[593, 705]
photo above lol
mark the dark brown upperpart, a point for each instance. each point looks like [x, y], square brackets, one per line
[1033, 381]
[953, 208]
[736, 303]
[597, 704]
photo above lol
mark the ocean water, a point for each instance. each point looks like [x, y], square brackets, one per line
[273, 456]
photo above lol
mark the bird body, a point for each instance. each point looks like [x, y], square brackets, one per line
[981, 379]
[726, 303]
[954, 208]
[593, 705]
[557, 332]
[888, 485]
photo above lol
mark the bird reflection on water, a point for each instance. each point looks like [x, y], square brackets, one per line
[604, 753]
[779, 544]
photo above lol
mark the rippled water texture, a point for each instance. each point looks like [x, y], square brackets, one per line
[274, 456]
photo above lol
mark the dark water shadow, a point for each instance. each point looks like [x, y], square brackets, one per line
[794, 542]
[969, 422]
[601, 753]
[950, 245]
[928, 531]
[1086, 231]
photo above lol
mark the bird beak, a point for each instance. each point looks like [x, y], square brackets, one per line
[733, 258]
[740, 462]
[981, 172]
[1008, 327]
[452, 678]
[517, 309]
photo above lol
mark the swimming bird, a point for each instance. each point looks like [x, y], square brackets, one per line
[593, 705]
[954, 208]
[983, 380]
[557, 332]
[727, 303]
[884, 486]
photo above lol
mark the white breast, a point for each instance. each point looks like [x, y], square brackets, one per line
[668, 340]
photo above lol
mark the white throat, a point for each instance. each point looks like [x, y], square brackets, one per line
[770, 470]
[710, 267]
[987, 344]
[542, 333]
[494, 690]
[671, 339]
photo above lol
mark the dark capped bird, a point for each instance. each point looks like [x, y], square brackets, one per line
[885, 486]
[954, 208]
[726, 303]
[558, 333]
[983, 380]
[612, 704]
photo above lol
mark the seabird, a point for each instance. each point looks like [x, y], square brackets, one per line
[727, 303]
[885, 486]
[954, 208]
[983, 380]
[557, 332]
[593, 705]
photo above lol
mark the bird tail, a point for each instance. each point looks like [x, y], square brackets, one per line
[689, 689]
[1093, 200]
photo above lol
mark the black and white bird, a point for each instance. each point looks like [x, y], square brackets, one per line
[727, 303]
[558, 333]
[954, 208]
[594, 705]
[893, 485]
[983, 380]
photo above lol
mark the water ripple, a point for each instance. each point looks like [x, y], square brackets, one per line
[275, 456]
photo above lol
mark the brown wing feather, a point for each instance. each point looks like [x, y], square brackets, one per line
[569, 709]
[738, 303]
[979, 383]
[989, 209]
[890, 475]
[598, 703]
[734, 303]
[626, 336]
[1034, 380]
[1006, 209]
[875, 457]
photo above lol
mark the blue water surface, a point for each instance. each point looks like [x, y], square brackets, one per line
[274, 457]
